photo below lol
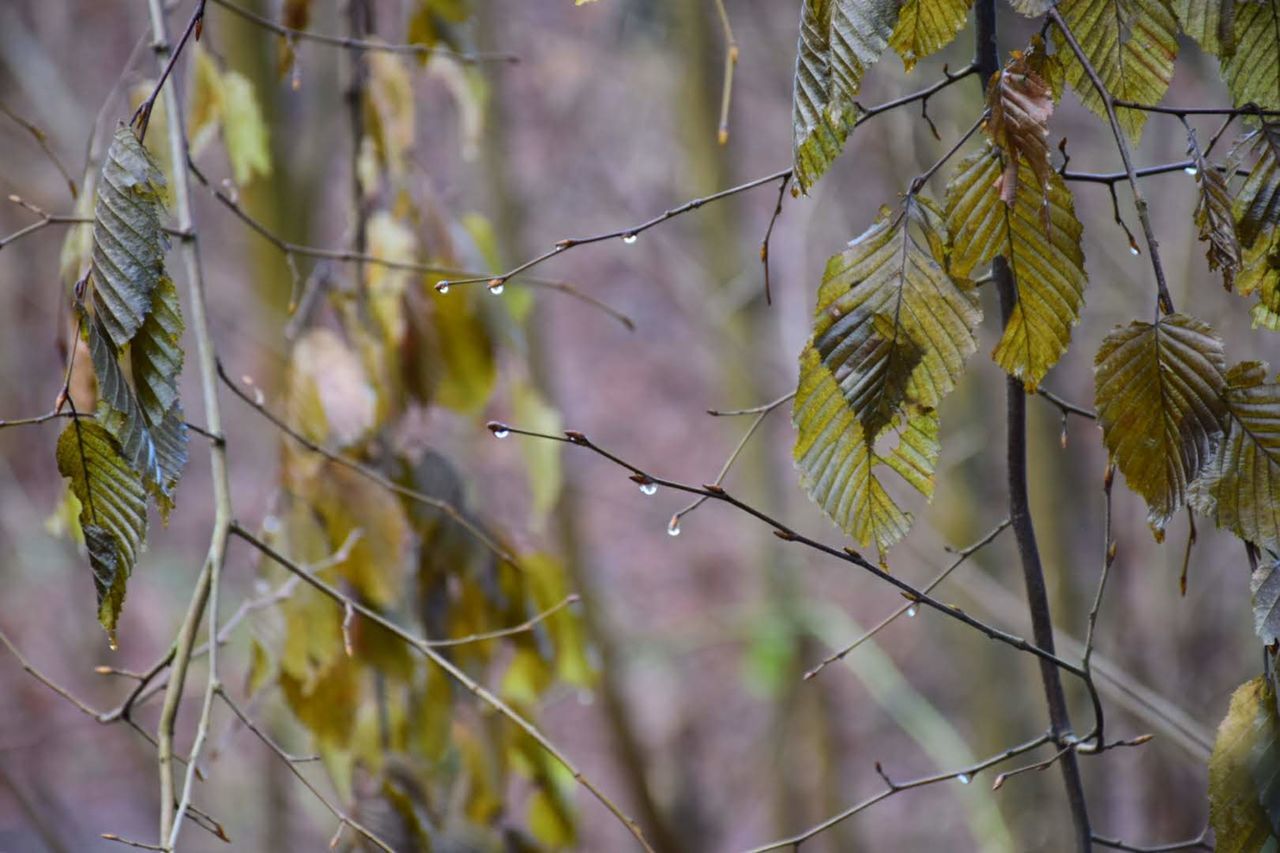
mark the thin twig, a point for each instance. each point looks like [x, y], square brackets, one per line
[730, 63]
[362, 44]
[478, 690]
[1197, 843]
[733, 457]
[910, 606]
[768, 235]
[1108, 557]
[1164, 302]
[43, 141]
[142, 116]
[964, 774]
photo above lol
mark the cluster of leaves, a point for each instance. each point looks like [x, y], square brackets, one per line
[397, 736]
[896, 312]
[135, 446]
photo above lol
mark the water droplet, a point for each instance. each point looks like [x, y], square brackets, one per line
[496, 289]
[673, 526]
[442, 286]
[630, 239]
[1191, 170]
[501, 432]
[648, 488]
[911, 612]
[964, 779]
[1133, 250]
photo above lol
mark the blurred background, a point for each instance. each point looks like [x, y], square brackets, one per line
[609, 118]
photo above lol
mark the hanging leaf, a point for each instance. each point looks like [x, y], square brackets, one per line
[391, 110]
[156, 356]
[449, 353]
[1039, 237]
[1265, 587]
[244, 131]
[1209, 22]
[1020, 105]
[1158, 388]
[1253, 71]
[128, 242]
[1260, 274]
[1243, 483]
[113, 510]
[890, 325]
[926, 27]
[205, 103]
[1214, 216]
[1244, 772]
[838, 462]
[839, 41]
[1131, 44]
[1258, 204]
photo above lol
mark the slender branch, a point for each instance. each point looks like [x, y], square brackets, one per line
[965, 775]
[768, 235]
[1197, 843]
[987, 57]
[368, 473]
[910, 607]
[129, 842]
[1183, 112]
[478, 690]
[42, 140]
[1108, 557]
[361, 44]
[206, 588]
[630, 234]
[1066, 406]
[730, 63]
[1163, 299]
[343, 818]
[787, 534]
[761, 414]
[142, 116]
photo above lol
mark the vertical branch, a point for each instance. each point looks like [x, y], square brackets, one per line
[359, 23]
[205, 593]
[988, 63]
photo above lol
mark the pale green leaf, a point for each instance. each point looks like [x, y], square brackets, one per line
[1265, 589]
[1209, 22]
[113, 511]
[243, 130]
[839, 41]
[205, 103]
[1244, 773]
[1039, 237]
[926, 27]
[1132, 45]
[1253, 70]
[1158, 389]
[1258, 203]
[1260, 274]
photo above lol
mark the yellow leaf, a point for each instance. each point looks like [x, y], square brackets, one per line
[243, 130]
[1244, 797]
[205, 101]
[926, 26]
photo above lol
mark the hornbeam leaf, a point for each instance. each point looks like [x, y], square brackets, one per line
[1258, 205]
[890, 325]
[1214, 216]
[838, 462]
[1244, 772]
[113, 510]
[1209, 22]
[128, 242]
[156, 356]
[1131, 44]
[1260, 273]
[839, 40]
[1039, 237]
[1253, 71]
[118, 410]
[243, 130]
[1158, 389]
[1243, 481]
[926, 27]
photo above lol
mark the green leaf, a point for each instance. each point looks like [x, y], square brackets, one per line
[839, 41]
[1039, 237]
[1258, 204]
[1260, 274]
[890, 325]
[1214, 216]
[926, 27]
[1131, 44]
[1243, 481]
[838, 462]
[113, 510]
[1158, 388]
[1209, 22]
[128, 242]
[1244, 773]
[541, 458]
[243, 130]
[1253, 71]
[156, 356]
[1265, 589]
